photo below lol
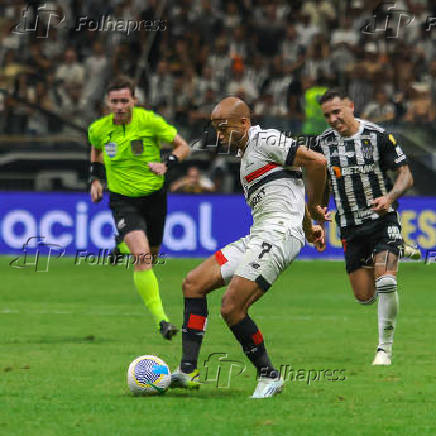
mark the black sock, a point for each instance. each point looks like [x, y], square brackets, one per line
[251, 340]
[194, 326]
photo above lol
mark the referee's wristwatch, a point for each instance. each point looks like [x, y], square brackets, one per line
[96, 172]
[172, 161]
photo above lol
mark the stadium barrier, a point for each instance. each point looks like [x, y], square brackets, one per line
[196, 226]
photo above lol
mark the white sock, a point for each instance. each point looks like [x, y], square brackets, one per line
[387, 311]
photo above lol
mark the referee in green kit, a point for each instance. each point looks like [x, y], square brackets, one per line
[126, 144]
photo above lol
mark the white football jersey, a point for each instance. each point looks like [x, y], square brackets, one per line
[273, 189]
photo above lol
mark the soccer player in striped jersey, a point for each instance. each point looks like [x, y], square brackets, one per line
[271, 177]
[359, 155]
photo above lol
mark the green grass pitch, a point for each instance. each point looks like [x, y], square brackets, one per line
[68, 335]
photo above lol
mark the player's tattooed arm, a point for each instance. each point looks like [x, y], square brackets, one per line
[315, 165]
[403, 182]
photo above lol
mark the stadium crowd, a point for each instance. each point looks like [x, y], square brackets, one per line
[273, 54]
[277, 55]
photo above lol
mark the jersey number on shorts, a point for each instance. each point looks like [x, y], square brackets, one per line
[265, 249]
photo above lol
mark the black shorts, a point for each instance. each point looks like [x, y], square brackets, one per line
[361, 242]
[145, 213]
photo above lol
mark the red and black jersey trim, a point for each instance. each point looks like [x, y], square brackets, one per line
[261, 171]
[282, 174]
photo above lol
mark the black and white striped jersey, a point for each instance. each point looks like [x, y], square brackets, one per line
[357, 167]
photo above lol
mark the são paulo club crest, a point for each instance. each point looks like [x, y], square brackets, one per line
[111, 149]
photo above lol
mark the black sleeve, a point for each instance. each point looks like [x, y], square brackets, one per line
[291, 154]
[391, 154]
[315, 144]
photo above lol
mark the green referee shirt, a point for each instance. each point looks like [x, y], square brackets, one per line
[128, 148]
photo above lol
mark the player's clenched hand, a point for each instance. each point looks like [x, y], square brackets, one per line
[316, 235]
[321, 244]
[157, 168]
[96, 191]
[381, 205]
[320, 213]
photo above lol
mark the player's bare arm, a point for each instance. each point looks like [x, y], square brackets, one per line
[96, 182]
[315, 234]
[403, 182]
[181, 151]
[315, 165]
[321, 246]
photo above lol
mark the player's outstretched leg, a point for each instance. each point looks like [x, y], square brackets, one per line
[386, 284]
[197, 284]
[240, 294]
[146, 282]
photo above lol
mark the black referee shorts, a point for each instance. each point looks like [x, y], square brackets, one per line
[361, 242]
[145, 213]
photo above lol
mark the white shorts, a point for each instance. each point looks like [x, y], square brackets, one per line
[259, 258]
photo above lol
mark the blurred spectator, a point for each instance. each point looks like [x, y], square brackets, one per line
[379, 110]
[219, 60]
[201, 114]
[96, 73]
[232, 17]
[53, 47]
[193, 182]
[37, 61]
[420, 109]
[71, 106]
[240, 84]
[321, 12]
[306, 30]
[257, 71]
[123, 62]
[270, 26]
[277, 86]
[161, 86]
[290, 49]
[209, 20]
[70, 70]
[203, 85]
[318, 63]
[361, 88]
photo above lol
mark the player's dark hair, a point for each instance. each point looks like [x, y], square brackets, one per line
[121, 82]
[332, 93]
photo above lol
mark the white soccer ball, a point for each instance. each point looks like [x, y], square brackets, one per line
[148, 375]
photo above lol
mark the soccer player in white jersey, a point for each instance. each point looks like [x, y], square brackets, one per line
[359, 155]
[271, 177]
